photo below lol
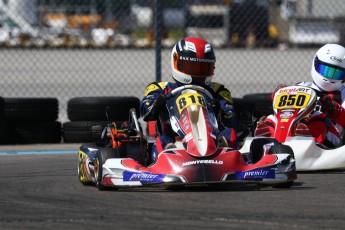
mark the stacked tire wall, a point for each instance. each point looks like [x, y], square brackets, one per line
[34, 120]
[85, 112]
[29, 120]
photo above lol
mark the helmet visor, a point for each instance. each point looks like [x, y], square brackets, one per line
[196, 68]
[329, 71]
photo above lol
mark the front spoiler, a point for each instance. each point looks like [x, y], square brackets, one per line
[175, 169]
[126, 178]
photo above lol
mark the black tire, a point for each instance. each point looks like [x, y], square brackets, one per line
[2, 107]
[37, 132]
[244, 111]
[31, 109]
[262, 101]
[80, 131]
[4, 132]
[94, 108]
[242, 105]
[102, 155]
[256, 148]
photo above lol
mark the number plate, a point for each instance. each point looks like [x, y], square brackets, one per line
[188, 99]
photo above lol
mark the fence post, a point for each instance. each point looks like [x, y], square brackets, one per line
[158, 33]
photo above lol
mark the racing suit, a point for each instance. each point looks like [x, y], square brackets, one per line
[223, 108]
[326, 128]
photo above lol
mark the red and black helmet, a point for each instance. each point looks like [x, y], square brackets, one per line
[192, 61]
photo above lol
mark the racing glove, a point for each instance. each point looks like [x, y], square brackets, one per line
[328, 106]
[154, 109]
[280, 86]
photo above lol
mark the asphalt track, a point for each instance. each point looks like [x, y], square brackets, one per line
[41, 191]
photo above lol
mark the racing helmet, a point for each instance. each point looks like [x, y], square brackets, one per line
[192, 61]
[328, 67]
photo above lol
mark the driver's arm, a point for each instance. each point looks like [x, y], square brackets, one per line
[338, 114]
[228, 114]
[152, 101]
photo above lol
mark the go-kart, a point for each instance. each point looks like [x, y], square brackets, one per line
[197, 159]
[291, 106]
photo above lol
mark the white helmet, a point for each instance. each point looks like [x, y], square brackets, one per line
[192, 61]
[328, 67]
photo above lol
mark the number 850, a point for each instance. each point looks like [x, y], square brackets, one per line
[292, 100]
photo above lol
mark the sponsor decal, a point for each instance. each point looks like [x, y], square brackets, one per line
[286, 114]
[142, 177]
[198, 162]
[336, 59]
[294, 90]
[256, 174]
[196, 59]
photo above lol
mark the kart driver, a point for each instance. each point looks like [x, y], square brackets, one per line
[328, 74]
[196, 71]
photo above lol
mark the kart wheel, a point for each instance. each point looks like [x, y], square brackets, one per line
[257, 150]
[102, 156]
[82, 177]
[80, 174]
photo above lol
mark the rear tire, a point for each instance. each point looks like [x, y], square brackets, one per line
[102, 155]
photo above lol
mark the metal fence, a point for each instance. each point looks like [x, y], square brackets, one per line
[74, 48]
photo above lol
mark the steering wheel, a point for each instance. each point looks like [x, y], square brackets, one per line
[193, 87]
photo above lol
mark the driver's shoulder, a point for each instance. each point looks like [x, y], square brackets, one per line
[158, 85]
[217, 86]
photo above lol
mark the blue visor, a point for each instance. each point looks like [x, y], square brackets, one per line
[328, 71]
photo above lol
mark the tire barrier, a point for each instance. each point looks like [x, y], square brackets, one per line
[262, 102]
[244, 110]
[31, 109]
[81, 131]
[35, 132]
[30, 120]
[94, 108]
[4, 128]
[86, 112]
[34, 120]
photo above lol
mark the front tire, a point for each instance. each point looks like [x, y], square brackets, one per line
[102, 156]
[82, 175]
